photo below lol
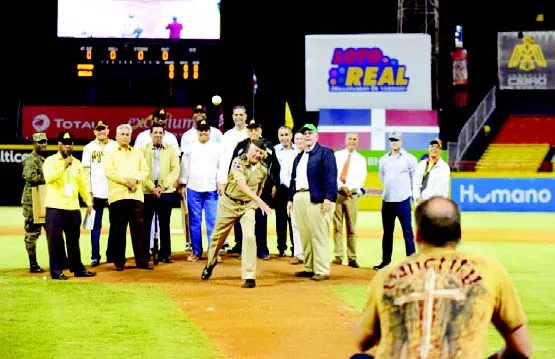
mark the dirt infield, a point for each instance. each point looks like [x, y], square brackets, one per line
[283, 317]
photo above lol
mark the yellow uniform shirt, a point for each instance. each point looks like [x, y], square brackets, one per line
[241, 169]
[64, 185]
[438, 303]
[121, 163]
[168, 168]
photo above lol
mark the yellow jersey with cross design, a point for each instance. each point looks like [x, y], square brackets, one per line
[438, 303]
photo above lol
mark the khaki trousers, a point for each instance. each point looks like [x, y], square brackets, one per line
[345, 207]
[313, 225]
[230, 212]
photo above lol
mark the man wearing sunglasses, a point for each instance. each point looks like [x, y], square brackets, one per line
[33, 176]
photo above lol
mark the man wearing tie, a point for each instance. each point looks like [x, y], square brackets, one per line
[350, 181]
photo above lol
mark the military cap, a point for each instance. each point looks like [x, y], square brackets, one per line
[39, 136]
[260, 143]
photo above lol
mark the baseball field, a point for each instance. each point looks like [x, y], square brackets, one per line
[171, 313]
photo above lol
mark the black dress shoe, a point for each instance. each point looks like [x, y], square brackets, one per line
[381, 266]
[249, 283]
[95, 262]
[353, 263]
[84, 273]
[207, 271]
[304, 274]
[59, 276]
[167, 260]
[281, 254]
[35, 268]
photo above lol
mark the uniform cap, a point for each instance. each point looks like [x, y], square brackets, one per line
[199, 109]
[66, 138]
[253, 124]
[396, 135]
[100, 125]
[39, 136]
[436, 141]
[202, 125]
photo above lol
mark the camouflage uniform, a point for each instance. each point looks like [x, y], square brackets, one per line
[33, 176]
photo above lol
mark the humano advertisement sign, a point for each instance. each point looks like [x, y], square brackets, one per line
[504, 194]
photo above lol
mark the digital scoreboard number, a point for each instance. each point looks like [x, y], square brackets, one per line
[177, 63]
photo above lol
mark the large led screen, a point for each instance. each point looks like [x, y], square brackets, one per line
[139, 19]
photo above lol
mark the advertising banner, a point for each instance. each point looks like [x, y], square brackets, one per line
[504, 194]
[365, 71]
[80, 120]
[374, 126]
[526, 61]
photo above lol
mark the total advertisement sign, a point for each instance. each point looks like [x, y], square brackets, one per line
[504, 194]
[389, 71]
[80, 120]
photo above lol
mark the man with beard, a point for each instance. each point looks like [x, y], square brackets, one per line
[33, 176]
[63, 175]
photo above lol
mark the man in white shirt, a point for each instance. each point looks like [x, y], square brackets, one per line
[349, 182]
[284, 152]
[236, 134]
[285, 174]
[432, 175]
[191, 135]
[199, 172]
[159, 116]
[96, 181]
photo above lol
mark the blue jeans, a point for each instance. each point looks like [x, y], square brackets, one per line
[98, 205]
[391, 211]
[197, 202]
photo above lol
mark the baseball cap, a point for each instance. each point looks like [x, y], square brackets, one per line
[159, 113]
[396, 135]
[202, 125]
[253, 124]
[100, 125]
[66, 138]
[199, 109]
[39, 136]
[436, 141]
[308, 127]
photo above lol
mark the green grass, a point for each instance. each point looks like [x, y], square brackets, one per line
[49, 319]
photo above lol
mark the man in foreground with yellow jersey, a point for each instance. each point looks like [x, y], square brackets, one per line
[438, 303]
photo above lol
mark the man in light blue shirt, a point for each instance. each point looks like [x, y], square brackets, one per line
[396, 169]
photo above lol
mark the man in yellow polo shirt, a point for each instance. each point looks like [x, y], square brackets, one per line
[125, 168]
[438, 303]
[63, 176]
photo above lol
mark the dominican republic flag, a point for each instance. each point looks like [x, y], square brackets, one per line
[375, 126]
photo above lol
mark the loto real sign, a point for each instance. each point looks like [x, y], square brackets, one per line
[81, 120]
[387, 71]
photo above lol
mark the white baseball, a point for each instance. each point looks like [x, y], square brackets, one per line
[216, 100]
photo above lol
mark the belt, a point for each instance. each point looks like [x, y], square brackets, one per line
[238, 201]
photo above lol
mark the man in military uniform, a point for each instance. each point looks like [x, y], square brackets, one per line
[271, 162]
[33, 176]
[240, 200]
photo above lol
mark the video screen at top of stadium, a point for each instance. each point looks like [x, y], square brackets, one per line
[139, 19]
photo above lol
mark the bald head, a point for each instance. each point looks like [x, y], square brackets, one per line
[438, 222]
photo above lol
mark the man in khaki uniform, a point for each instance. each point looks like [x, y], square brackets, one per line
[240, 200]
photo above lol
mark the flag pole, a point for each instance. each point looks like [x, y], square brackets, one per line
[254, 89]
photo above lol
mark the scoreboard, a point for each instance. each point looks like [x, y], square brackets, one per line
[173, 62]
